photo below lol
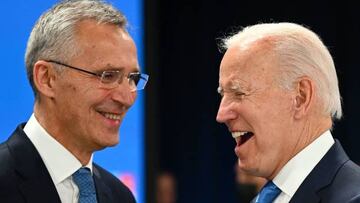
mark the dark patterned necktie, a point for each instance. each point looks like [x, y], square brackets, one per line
[85, 183]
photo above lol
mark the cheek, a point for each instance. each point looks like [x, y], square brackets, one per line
[67, 97]
[266, 156]
[92, 95]
[80, 101]
[133, 97]
[269, 141]
[71, 88]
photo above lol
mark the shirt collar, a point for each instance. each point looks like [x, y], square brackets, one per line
[60, 162]
[299, 167]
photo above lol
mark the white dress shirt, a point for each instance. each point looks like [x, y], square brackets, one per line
[60, 163]
[299, 167]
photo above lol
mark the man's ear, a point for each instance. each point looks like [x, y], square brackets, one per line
[304, 99]
[44, 77]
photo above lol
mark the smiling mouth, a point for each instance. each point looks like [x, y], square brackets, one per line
[111, 116]
[242, 137]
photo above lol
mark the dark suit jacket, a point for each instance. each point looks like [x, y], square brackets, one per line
[24, 177]
[335, 179]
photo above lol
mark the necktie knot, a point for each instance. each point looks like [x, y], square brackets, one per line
[83, 179]
[268, 193]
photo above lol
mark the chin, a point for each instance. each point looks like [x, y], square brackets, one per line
[101, 146]
[111, 142]
[243, 167]
[107, 141]
[249, 169]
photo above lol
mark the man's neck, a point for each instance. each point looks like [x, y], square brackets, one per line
[52, 128]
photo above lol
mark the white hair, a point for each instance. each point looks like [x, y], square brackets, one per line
[300, 53]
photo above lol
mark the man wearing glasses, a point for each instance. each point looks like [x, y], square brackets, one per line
[83, 68]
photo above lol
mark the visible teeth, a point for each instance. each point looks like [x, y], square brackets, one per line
[112, 116]
[238, 134]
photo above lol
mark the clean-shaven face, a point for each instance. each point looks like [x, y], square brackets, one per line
[257, 112]
[90, 114]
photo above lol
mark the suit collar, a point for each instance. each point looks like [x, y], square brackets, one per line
[35, 182]
[291, 175]
[51, 151]
[322, 175]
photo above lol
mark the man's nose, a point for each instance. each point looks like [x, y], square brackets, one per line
[225, 112]
[124, 95]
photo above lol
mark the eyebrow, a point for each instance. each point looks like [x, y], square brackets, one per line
[235, 87]
[232, 88]
[236, 84]
[110, 67]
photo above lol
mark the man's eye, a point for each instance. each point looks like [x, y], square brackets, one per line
[135, 77]
[239, 95]
[109, 76]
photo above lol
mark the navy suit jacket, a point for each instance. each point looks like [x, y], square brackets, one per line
[335, 179]
[24, 177]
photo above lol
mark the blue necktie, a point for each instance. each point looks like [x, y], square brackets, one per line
[85, 183]
[268, 193]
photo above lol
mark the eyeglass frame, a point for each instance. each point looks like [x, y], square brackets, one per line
[142, 76]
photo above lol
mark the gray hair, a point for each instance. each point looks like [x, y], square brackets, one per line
[301, 53]
[52, 36]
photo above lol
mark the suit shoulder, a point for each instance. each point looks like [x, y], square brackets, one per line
[8, 177]
[6, 160]
[349, 171]
[119, 189]
[345, 186]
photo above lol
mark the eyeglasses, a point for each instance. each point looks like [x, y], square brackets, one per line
[113, 78]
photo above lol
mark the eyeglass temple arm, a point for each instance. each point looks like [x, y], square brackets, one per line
[85, 71]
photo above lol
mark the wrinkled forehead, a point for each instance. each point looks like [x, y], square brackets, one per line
[242, 67]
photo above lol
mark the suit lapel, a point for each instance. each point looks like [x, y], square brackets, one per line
[35, 182]
[254, 199]
[321, 175]
[102, 190]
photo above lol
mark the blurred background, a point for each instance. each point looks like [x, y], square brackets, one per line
[181, 103]
[181, 151]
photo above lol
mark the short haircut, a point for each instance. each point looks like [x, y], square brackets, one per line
[52, 36]
[300, 53]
